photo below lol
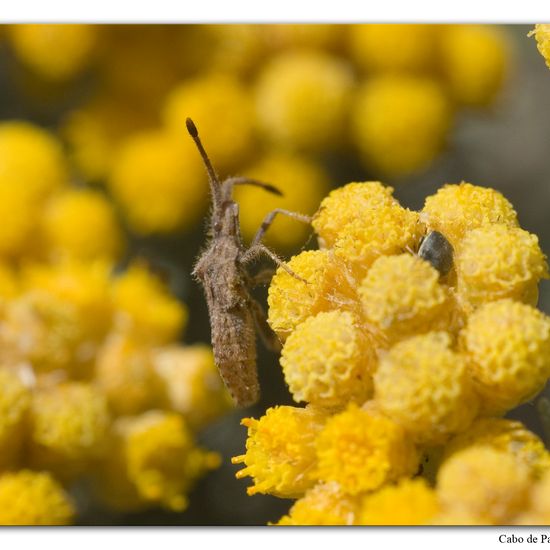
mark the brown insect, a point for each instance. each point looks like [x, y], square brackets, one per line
[222, 271]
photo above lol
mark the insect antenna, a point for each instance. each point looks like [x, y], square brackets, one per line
[215, 184]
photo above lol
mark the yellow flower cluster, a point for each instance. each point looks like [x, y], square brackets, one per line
[94, 382]
[542, 36]
[407, 368]
[270, 102]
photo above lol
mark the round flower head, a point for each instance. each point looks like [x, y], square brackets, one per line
[68, 428]
[363, 450]
[508, 347]
[302, 98]
[324, 285]
[475, 61]
[399, 123]
[14, 406]
[33, 498]
[393, 48]
[280, 451]
[387, 230]
[145, 308]
[159, 182]
[191, 383]
[54, 52]
[323, 504]
[496, 261]
[342, 206]
[154, 461]
[401, 296]
[303, 184]
[505, 435]
[82, 223]
[424, 386]
[542, 36]
[125, 373]
[409, 502]
[458, 208]
[46, 172]
[221, 107]
[328, 360]
[489, 485]
[538, 511]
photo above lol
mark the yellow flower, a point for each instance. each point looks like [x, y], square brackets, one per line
[302, 100]
[542, 36]
[154, 460]
[497, 261]
[538, 510]
[363, 450]
[399, 123]
[69, 426]
[458, 208]
[388, 230]
[125, 373]
[393, 48]
[303, 184]
[508, 347]
[191, 383]
[54, 52]
[342, 206]
[475, 62]
[280, 451]
[221, 108]
[14, 406]
[159, 182]
[409, 502]
[81, 223]
[324, 285]
[33, 498]
[505, 435]
[328, 360]
[323, 504]
[424, 386]
[484, 483]
[402, 296]
[145, 308]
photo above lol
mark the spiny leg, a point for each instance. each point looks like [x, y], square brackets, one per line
[268, 220]
[229, 183]
[258, 249]
[268, 337]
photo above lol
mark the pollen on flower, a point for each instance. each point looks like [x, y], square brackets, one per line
[323, 504]
[363, 450]
[457, 208]
[326, 285]
[328, 360]
[409, 502]
[33, 498]
[422, 384]
[542, 36]
[301, 100]
[508, 348]
[401, 295]
[503, 434]
[354, 201]
[399, 122]
[484, 483]
[69, 425]
[496, 261]
[280, 451]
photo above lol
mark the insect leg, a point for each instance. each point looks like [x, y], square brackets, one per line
[268, 337]
[254, 251]
[268, 220]
[229, 183]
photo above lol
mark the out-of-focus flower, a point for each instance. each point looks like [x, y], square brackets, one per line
[33, 498]
[55, 52]
[399, 123]
[303, 184]
[291, 36]
[280, 451]
[302, 98]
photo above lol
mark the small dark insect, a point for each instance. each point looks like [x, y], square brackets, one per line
[437, 250]
[222, 271]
